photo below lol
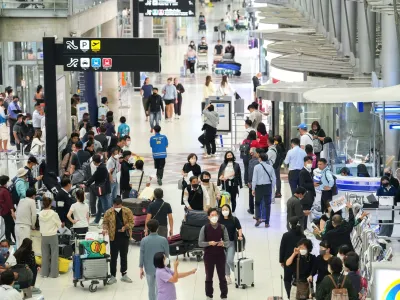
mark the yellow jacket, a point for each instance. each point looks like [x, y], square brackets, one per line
[109, 221]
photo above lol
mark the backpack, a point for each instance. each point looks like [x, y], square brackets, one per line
[278, 160]
[244, 150]
[13, 191]
[339, 293]
[317, 146]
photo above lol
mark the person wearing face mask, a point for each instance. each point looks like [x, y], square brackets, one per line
[392, 180]
[96, 143]
[301, 263]
[232, 225]
[288, 243]
[89, 148]
[178, 104]
[170, 96]
[294, 207]
[230, 177]
[321, 264]
[113, 167]
[192, 168]
[101, 180]
[64, 200]
[21, 183]
[386, 189]
[214, 238]
[118, 223]
[166, 278]
[336, 279]
[138, 178]
[212, 189]
[80, 211]
[126, 167]
[195, 197]
[306, 181]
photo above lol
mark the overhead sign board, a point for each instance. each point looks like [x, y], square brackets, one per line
[168, 8]
[111, 54]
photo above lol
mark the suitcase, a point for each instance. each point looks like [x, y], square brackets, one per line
[138, 233]
[65, 251]
[77, 267]
[244, 272]
[197, 218]
[278, 297]
[175, 238]
[139, 220]
[137, 206]
[177, 248]
[227, 56]
[215, 28]
[95, 268]
[190, 233]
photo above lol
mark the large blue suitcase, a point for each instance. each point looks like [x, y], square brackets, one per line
[77, 266]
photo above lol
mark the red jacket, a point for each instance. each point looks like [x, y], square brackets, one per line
[262, 140]
[253, 143]
[6, 203]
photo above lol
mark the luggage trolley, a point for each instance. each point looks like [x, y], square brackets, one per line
[91, 266]
[216, 60]
[202, 61]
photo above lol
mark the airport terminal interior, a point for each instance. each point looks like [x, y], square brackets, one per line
[331, 61]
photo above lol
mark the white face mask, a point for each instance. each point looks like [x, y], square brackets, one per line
[225, 213]
[117, 209]
[131, 160]
[117, 156]
[303, 252]
[128, 143]
[166, 261]
[309, 166]
[214, 220]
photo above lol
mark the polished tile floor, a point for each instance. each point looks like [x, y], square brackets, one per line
[262, 244]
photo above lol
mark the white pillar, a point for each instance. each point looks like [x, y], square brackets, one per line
[390, 57]
[349, 42]
[366, 38]
[110, 79]
[335, 17]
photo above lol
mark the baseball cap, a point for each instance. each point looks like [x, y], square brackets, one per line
[302, 126]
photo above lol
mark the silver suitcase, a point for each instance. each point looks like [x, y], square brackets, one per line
[244, 272]
[95, 268]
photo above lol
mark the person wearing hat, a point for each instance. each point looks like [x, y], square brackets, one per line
[32, 162]
[305, 137]
[21, 183]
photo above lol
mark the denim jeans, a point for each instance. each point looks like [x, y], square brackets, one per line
[152, 285]
[113, 194]
[230, 256]
[155, 117]
[103, 204]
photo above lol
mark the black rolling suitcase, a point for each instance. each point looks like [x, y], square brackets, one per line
[137, 206]
[189, 233]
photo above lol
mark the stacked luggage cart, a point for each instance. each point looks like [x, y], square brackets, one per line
[90, 262]
[139, 209]
[226, 66]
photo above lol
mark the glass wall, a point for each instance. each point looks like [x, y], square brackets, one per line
[354, 131]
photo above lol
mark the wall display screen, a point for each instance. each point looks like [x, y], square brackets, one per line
[169, 8]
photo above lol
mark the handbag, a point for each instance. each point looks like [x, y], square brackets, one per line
[303, 291]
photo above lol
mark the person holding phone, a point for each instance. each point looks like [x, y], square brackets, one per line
[166, 278]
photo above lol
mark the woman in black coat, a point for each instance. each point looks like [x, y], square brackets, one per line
[306, 181]
[288, 243]
[230, 177]
[190, 166]
[178, 104]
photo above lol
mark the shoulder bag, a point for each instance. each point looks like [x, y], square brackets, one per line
[302, 292]
[135, 193]
[153, 217]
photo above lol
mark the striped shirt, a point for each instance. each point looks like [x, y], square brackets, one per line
[134, 180]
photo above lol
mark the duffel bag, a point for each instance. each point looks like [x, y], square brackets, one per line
[177, 248]
[190, 233]
[175, 238]
[137, 206]
[197, 218]
[25, 276]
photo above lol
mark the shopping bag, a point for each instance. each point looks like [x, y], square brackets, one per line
[147, 193]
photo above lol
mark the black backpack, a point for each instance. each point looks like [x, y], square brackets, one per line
[244, 150]
[278, 160]
[13, 191]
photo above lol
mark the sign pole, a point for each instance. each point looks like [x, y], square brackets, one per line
[135, 34]
[49, 70]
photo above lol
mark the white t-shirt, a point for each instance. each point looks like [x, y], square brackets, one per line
[306, 139]
[80, 212]
[134, 180]
[9, 293]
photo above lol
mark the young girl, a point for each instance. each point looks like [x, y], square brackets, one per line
[80, 210]
[25, 255]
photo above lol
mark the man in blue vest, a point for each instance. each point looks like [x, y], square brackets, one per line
[159, 144]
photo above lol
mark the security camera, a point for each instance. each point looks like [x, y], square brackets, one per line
[73, 34]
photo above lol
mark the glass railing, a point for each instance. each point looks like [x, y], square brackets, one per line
[45, 8]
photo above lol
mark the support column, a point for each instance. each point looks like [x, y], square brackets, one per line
[366, 38]
[335, 20]
[390, 57]
[110, 79]
[315, 12]
[325, 16]
[349, 27]
[135, 33]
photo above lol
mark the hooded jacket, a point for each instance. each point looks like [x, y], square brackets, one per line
[49, 222]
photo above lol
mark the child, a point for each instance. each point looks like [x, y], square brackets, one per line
[310, 152]
[123, 128]
[110, 126]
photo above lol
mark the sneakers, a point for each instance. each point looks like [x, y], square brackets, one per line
[228, 280]
[125, 278]
[112, 280]
[93, 224]
[36, 290]
[278, 195]
[249, 211]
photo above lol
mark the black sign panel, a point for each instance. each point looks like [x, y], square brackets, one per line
[112, 63]
[111, 46]
[169, 8]
[109, 54]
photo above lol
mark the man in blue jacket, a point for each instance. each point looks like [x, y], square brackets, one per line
[159, 144]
